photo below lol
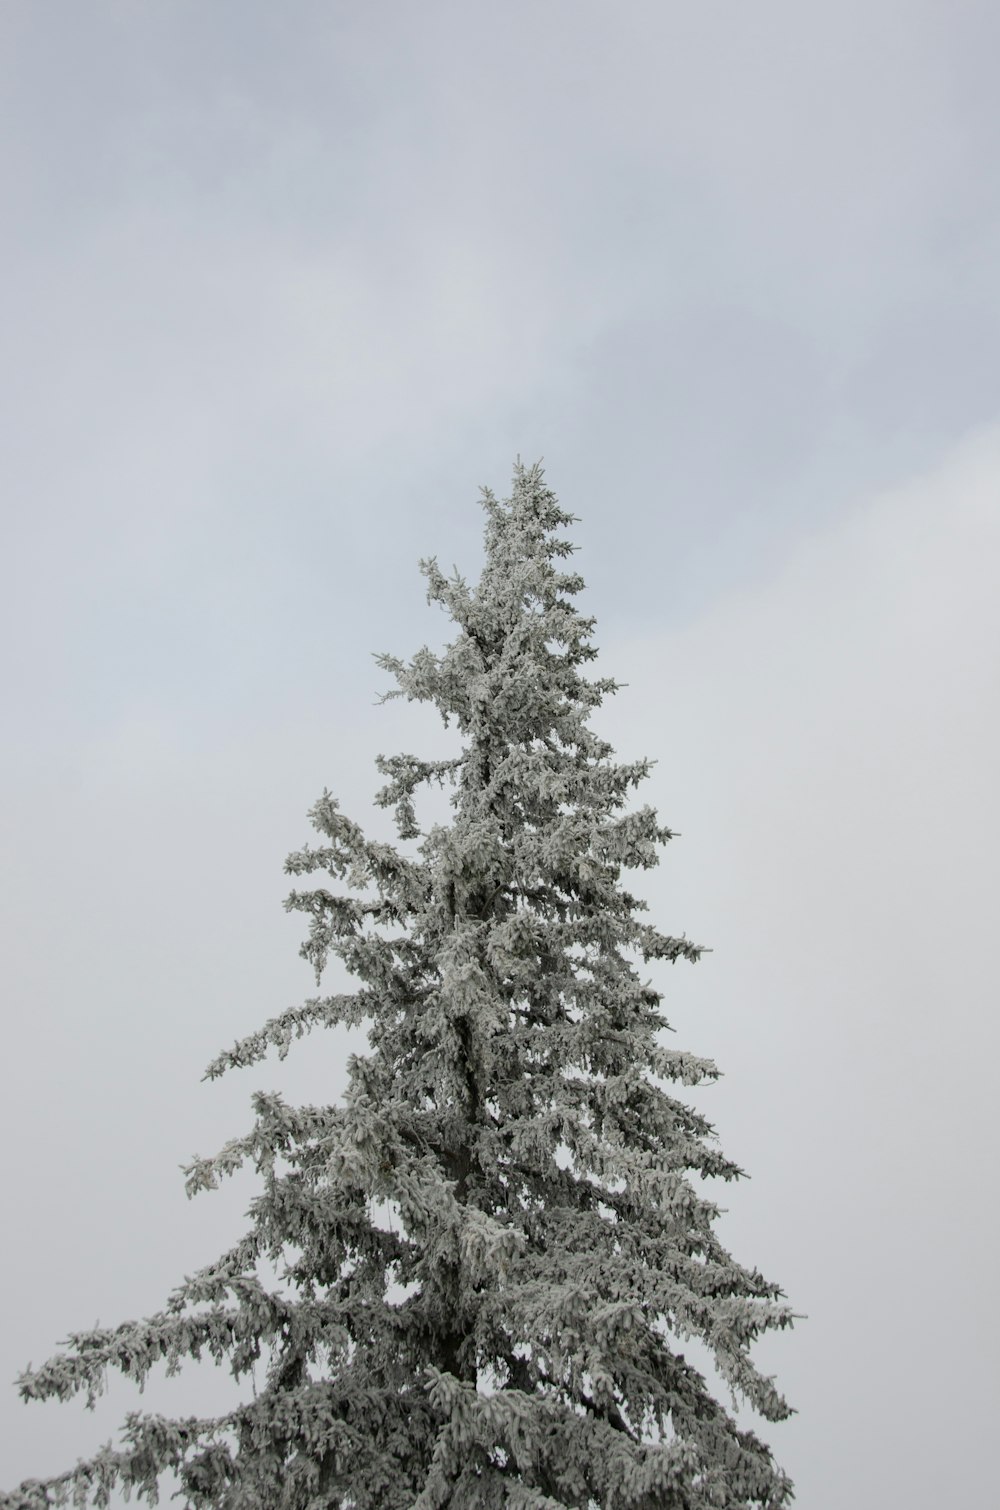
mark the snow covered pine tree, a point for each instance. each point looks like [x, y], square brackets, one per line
[504, 1339]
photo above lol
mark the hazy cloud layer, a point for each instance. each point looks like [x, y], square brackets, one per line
[278, 296]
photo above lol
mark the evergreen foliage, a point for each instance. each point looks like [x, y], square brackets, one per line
[490, 1247]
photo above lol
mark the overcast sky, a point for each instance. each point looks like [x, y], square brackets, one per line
[282, 287]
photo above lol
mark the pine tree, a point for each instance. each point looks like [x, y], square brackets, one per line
[497, 1240]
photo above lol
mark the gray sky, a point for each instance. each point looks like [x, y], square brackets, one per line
[282, 286]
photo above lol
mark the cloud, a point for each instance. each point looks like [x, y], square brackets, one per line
[277, 300]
